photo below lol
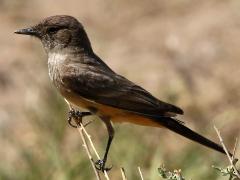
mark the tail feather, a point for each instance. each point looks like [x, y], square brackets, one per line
[179, 128]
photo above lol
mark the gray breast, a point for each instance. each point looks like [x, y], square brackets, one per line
[55, 63]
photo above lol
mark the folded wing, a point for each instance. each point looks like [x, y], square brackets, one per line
[110, 89]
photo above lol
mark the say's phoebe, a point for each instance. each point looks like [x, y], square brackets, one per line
[84, 80]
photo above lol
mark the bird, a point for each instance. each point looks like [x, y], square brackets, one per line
[87, 82]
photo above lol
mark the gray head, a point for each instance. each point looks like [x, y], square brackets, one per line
[58, 32]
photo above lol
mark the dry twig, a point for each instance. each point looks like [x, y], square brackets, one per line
[140, 172]
[85, 145]
[94, 149]
[232, 160]
[123, 174]
[82, 130]
[235, 147]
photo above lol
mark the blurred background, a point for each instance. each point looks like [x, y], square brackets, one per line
[184, 52]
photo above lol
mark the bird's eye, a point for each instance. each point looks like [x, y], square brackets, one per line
[52, 29]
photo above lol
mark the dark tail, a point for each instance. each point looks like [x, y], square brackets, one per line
[179, 128]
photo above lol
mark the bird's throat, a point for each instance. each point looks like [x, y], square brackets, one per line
[55, 63]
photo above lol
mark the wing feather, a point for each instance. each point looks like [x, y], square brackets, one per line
[108, 88]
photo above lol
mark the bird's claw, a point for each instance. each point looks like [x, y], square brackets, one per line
[70, 122]
[77, 116]
[100, 165]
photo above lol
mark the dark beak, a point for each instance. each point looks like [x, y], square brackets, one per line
[27, 31]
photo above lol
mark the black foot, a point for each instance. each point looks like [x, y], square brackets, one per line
[77, 116]
[100, 165]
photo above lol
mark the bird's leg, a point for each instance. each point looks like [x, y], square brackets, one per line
[77, 116]
[100, 164]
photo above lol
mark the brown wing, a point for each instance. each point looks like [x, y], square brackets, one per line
[110, 89]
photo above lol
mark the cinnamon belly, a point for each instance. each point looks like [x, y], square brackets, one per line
[115, 114]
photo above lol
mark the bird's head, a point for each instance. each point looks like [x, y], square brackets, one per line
[58, 32]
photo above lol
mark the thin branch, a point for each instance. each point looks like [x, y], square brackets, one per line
[231, 159]
[94, 149]
[140, 172]
[235, 147]
[91, 143]
[123, 174]
[85, 145]
[81, 129]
